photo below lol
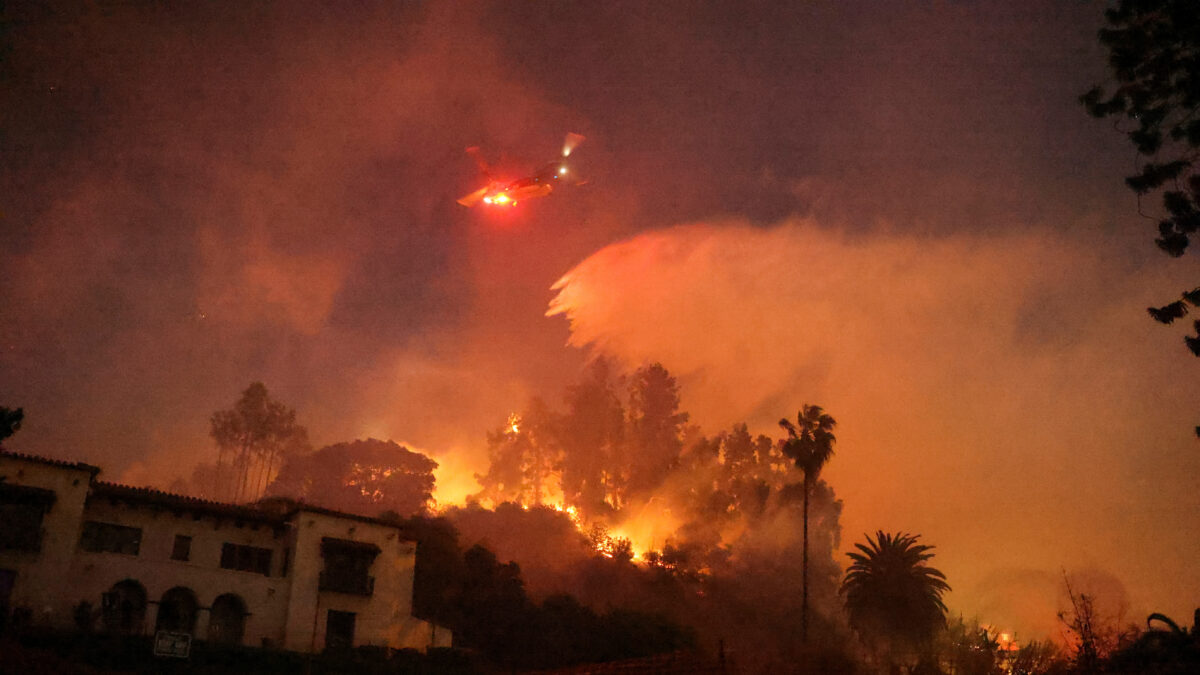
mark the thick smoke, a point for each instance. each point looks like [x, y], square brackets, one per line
[1003, 395]
[197, 197]
[208, 196]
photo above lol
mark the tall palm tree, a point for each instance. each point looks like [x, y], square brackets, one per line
[891, 594]
[810, 445]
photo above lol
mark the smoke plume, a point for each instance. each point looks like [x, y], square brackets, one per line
[1003, 395]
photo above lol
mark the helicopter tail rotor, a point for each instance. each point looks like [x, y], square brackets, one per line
[473, 198]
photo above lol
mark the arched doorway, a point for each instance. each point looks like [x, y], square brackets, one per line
[124, 607]
[177, 611]
[227, 620]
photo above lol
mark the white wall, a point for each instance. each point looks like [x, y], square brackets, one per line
[288, 611]
[265, 597]
[41, 576]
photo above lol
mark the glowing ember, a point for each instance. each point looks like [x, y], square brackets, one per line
[367, 479]
[610, 543]
[514, 423]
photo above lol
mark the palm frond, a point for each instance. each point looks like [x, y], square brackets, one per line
[889, 587]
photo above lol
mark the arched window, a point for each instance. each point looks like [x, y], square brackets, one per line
[227, 620]
[124, 607]
[177, 611]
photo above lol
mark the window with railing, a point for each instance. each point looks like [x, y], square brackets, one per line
[246, 558]
[347, 566]
[100, 537]
[351, 584]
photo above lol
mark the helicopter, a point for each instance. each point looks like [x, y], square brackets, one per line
[538, 184]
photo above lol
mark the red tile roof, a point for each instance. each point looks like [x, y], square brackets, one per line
[78, 466]
[276, 511]
[168, 500]
[273, 510]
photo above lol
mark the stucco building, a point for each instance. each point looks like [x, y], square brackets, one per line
[278, 574]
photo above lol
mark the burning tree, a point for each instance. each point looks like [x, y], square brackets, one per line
[753, 467]
[507, 450]
[523, 457]
[615, 454]
[259, 433]
[656, 516]
[655, 429]
[592, 433]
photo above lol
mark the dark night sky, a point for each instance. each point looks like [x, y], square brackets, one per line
[897, 210]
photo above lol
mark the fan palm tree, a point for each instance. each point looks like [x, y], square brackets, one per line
[891, 594]
[810, 445]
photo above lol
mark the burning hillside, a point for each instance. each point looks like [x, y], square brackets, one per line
[618, 499]
[630, 473]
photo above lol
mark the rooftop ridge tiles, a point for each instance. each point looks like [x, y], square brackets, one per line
[107, 488]
[62, 463]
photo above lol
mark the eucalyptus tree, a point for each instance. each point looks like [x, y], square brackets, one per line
[260, 433]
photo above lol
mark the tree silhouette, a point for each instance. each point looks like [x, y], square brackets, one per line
[1154, 54]
[363, 477]
[751, 469]
[10, 421]
[485, 602]
[592, 434]
[508, 446]
[1094, 634]
[655, 428]
[1166, 649]
[523, 456]
[810, 445]
[260, 432]
[890, 593]
[545, 455]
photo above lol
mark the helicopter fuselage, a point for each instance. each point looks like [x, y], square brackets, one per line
[539, 184]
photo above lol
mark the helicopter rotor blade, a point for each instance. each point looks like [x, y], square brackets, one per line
[571, 142]
[486, 170]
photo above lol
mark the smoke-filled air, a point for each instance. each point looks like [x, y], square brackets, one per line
[814, 284]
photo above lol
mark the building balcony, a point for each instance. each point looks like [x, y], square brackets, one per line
[348, 584]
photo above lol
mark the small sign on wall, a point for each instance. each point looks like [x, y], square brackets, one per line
[173, 645]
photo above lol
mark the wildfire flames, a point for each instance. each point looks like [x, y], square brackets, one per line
[367, 479]
[632, 539]
[607, 541]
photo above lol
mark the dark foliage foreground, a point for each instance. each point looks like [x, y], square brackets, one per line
[485, 603]
[42, 652]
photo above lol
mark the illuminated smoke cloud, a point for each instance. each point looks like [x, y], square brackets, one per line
[983, 384]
